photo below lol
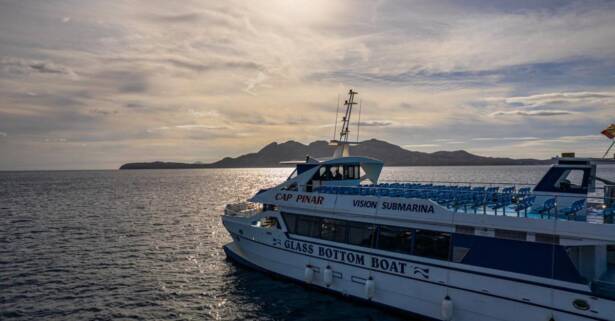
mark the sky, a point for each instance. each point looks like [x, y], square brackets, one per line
[95, 84]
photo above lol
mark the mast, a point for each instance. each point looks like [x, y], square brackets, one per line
[343, 145]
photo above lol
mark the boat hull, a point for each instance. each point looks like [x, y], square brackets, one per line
[405, 294]
[234, 255]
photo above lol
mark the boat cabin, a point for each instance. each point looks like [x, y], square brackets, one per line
[569, 181]
[344, 171]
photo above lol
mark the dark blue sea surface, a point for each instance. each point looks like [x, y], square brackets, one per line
[147, 245]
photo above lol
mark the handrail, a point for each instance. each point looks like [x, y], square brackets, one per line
[456, 182]
[242, 208]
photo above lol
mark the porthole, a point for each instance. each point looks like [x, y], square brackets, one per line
[581, 304]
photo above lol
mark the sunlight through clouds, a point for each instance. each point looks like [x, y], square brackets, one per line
[153, 80]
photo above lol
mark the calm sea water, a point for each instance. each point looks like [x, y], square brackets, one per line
[147, 245]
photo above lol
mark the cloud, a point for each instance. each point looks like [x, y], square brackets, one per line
[503, 138]
[25, 66]
[531, 113]
[176, 18]
[449, 141]
[566, 140]
[134, 105]
[187, 127]
[560, 98]
[151, 78]
[201, 64]
[421, 145]
[3, 134]
[252, 83]
[55, 140]
[376, 123]
[104, 112]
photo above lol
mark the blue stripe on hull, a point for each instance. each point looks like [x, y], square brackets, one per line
[240, 260]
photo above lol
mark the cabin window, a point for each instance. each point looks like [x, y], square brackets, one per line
[352, 172]
[333, 230]
[322, 173]
[424, 243]
[291, 187]
[610, 255]
[290, 221]
[308, 226]
[268, 222]
[338, 172]
[511, 235]
[361, 234]
[396, 239]
[571, 179]
[432, 244]
[565, 180]
[464, 229]
[547, 238]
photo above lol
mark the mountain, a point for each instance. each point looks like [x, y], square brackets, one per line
[392, 155]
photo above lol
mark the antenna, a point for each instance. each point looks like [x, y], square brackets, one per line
[343, 145]
[336, 113]
[359, 121]
[346, 119]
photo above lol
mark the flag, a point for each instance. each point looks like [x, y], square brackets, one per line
[609, 131]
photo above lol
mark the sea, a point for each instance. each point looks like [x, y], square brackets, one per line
[147, 245]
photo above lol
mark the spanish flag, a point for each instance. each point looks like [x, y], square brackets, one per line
[609, 131]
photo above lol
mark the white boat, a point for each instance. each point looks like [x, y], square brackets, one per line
[444, 251]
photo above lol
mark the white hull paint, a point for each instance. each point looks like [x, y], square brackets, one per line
[475, 297]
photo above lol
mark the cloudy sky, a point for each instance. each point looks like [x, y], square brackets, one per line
[93, 84]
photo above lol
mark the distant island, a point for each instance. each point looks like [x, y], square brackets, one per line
[392, 155]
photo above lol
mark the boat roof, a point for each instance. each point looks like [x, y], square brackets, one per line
[587, 160]
[352, 160]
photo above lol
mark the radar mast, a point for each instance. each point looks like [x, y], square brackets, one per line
[343, 145]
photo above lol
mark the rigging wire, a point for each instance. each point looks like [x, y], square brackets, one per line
[359, 121]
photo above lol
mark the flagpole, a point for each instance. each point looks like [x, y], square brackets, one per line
[608, 150]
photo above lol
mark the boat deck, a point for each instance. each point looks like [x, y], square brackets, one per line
[486, 200]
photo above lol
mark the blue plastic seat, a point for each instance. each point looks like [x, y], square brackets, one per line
[572, 211]
[383, 192]
[479, 199]
[546, 207]
[501, 200]
[524, 204]
[524, 191]
[463, 199]
[609, 214]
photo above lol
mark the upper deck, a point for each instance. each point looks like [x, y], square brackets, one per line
[511, 201]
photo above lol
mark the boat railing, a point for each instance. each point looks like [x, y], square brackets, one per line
[493, 200]
[242, 209]
[457, 183]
